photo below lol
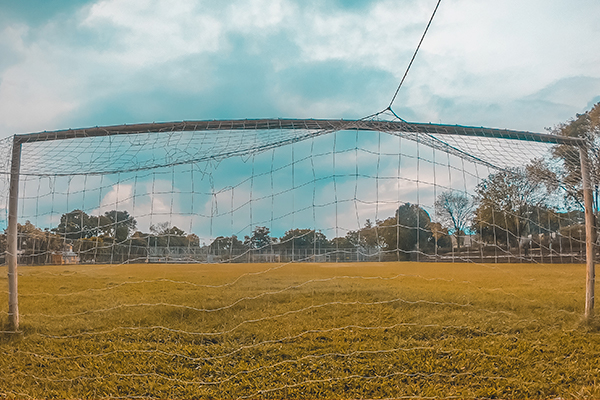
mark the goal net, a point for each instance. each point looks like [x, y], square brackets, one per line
[293, 190]
[294, 259]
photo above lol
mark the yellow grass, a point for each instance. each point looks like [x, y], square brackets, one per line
[358, 330]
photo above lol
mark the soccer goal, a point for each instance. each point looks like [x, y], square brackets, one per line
[281, 191]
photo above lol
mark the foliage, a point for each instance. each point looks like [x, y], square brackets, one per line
[77, 224]
[342, 242]
[303, 239]
[165, 235]
[566, 165]
[506, 201]
[260, 238]
[440, 235]
[111, 237]
[226, 245]
[455, 212]
[366, 238]
[408, 231]
[119, 225]
[31, 237]
[35, 244]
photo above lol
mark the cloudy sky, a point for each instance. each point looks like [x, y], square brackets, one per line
[518, 64]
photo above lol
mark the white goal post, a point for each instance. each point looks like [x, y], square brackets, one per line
[224, 139]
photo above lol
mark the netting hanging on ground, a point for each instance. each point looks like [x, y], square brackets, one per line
[277, 190]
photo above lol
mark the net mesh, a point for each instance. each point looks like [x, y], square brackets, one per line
[244, 259]
[190, 195]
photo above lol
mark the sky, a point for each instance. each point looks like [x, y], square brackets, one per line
[515, 64]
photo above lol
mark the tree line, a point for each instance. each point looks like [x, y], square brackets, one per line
[109, 237]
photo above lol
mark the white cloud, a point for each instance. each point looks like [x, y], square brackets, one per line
[479, 60]
[31, 98]
[119, 197]
[483, 52]
[148, 206]
[506, 50]
[382, 37]
[259, 16]
[297, 105]
[155, 31]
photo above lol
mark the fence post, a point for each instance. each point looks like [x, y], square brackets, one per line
[11, 237]
[590, 233]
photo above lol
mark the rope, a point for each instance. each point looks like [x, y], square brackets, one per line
[389, 107]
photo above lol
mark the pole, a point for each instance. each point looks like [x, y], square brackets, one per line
[11, 237]
[590, 233]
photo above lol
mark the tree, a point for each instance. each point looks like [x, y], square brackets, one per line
[565, 165]
[407, 231]
[36, 243]
[366, 237]
[342, 242]
[119, 225]
[138, 242]
[78, 225]
[455, 212]
[506, 201]
[260, 238]
[225, 245]
[439, 234]
[193, 240]
[165, 235]
[303, 239]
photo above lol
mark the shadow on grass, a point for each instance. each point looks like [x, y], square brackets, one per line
[591, 324]
[7, 333]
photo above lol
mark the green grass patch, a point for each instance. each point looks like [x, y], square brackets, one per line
[364, 330]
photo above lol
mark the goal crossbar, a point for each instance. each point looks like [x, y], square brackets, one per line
[326, 125]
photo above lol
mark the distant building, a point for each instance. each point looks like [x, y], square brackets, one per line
[65, 257]
[467, 241]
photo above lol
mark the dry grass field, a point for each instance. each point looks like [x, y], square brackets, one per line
[343, 331]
